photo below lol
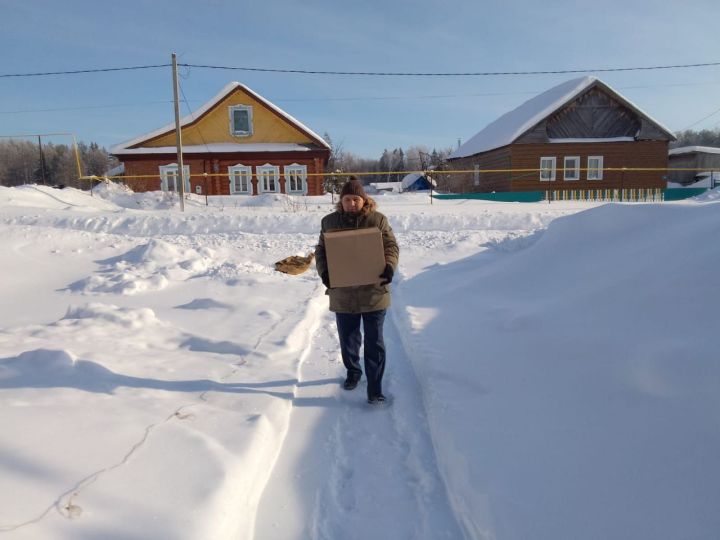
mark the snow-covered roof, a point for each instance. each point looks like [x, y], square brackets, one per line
[116, 171]
[513, 124]
[592, 139]
[220, 148]
[387, 186]
[691, 149]
[123, 148]
[411, 178]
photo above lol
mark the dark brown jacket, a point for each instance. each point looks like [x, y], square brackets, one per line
[364, 298]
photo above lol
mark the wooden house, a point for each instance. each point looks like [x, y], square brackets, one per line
[238, 143]
[565, 139]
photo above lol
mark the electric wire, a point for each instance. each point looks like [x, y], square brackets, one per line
[449, 74]
[368, 73]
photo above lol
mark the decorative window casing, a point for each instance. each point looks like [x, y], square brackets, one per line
[595, 168]
[476, 175]
[572, 168]
[169, 177]
[240, 179]
[268, 178]
[241, 120]
[547, 169]
[296, 179]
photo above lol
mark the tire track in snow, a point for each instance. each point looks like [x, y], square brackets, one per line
[351, 470]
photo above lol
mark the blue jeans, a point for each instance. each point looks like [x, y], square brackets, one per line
[348, 325]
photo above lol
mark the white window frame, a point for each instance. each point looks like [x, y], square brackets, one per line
[265, 172]
[595, 173]
[552, 160]
[232, 110]
[240, 170]
[573, 170]
[476, 175]
[300, 172]
[171, 171]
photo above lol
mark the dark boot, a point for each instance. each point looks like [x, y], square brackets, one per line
[351, 381]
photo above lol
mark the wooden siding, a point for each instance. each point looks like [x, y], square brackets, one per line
[216, 166]
[214, 127]
[632, 154]
[495, 159]
[593, 114]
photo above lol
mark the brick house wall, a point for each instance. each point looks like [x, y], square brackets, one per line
[216, 167]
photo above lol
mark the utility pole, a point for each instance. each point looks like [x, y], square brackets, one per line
[42, 161]
[178, 135]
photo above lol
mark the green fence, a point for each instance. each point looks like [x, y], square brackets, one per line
[678, 194]
[505, 196]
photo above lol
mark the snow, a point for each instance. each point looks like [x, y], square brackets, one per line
[691, 149]
[552, 372]
[124, 148]
[511, 125]
[219, 148]
[592, 140]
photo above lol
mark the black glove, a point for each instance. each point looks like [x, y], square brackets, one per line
[325, 279]
[387, 275]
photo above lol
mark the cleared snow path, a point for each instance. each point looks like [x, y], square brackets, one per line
[350, 470]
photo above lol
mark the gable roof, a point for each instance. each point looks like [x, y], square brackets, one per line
[511, 125]
[194, 117]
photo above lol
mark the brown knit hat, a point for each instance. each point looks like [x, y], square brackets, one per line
[353, 187]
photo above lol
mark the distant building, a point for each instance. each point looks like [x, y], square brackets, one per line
[410, 182]
[693, 158]
[238, 143]
[570, 135]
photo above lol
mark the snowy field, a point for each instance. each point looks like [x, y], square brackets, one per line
[552, 372]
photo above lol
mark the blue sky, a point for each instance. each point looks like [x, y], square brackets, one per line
[365, 114]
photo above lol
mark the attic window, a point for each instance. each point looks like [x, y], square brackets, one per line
[241, 120]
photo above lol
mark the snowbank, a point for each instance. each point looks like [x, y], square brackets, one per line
[572, 386]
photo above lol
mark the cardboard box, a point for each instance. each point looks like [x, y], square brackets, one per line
[354, 256]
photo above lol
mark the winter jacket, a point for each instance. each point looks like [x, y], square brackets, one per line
[363, 298]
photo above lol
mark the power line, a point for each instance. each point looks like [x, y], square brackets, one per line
[366, 73]
[463, 74]
[76, 72]
[352, 98]
[703, 118]
[87, 107]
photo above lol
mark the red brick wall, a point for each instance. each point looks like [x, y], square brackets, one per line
[216, 182]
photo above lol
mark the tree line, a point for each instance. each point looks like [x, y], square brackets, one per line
[389, 166]
[705, 137]
[28, 162]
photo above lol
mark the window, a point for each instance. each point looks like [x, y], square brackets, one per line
[296, 179]
[241, 120]
[240, 180]
[169, 177]
[595, 168]
[572, 168]
[547, 169]
[268, 178]
[476, 175]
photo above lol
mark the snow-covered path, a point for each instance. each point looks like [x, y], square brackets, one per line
[344, 463]
[553, 375]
